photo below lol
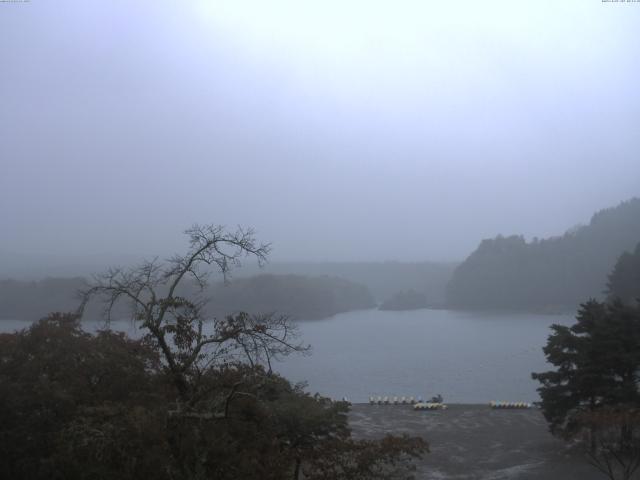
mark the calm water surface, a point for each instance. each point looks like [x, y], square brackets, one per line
[468, 357]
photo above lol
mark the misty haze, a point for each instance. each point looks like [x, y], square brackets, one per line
[319, 240]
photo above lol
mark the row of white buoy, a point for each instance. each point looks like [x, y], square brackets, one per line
[419, 404]
[494, 404]
[394, 400]
[429, 406]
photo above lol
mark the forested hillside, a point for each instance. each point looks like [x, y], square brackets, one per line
[624, 280]
[383, 279]
[295, 295]
[298, 296]
[21, 300]
[549, 274]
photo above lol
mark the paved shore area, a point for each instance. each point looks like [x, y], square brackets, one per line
[476, 442]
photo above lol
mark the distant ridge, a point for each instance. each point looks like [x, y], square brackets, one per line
[301, 297]
[383, 279]
[551, 274]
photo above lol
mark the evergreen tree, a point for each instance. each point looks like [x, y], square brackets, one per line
[624, 281]
[597, 364]
[593, 394]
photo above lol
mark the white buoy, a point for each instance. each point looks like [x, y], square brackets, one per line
[509, 405]
[429, 406]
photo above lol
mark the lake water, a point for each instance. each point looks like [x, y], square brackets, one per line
[468, 357]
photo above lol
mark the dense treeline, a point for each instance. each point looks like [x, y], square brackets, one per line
[383, 279]
[554, 273]
[32, 300]
[300, 297]
[78, 406]
[624, 281]
[294, 295]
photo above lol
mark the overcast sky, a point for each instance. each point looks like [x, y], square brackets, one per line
[362, 130]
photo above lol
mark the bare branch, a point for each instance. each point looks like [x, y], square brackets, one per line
[177, 324]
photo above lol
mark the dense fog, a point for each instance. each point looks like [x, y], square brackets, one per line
[341, 131]
[330, 240]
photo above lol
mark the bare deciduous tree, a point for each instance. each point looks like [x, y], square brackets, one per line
[190, 343]
[197, 351]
